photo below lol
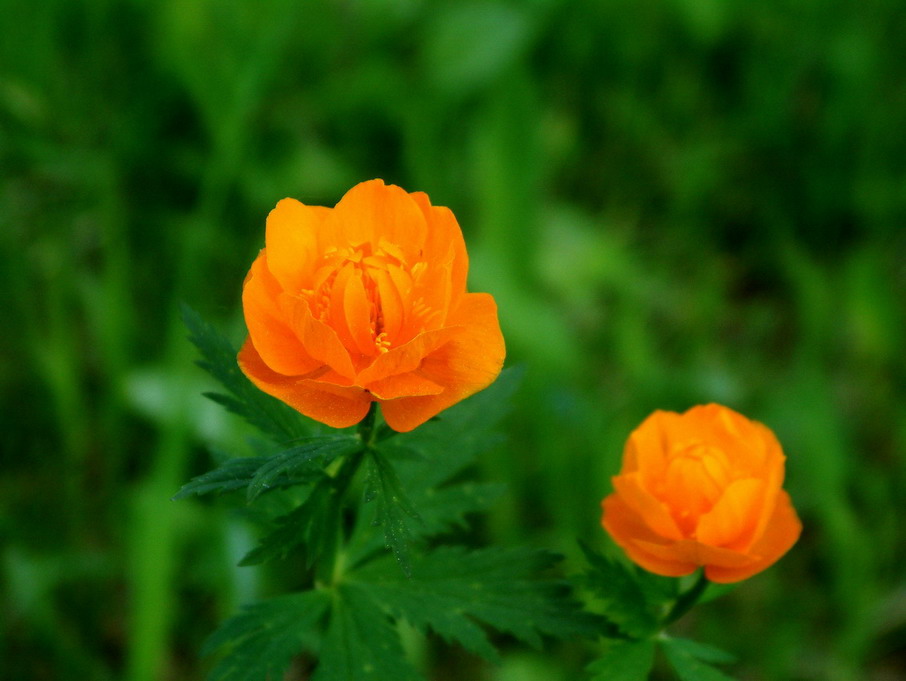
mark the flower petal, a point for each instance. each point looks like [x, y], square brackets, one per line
[653, 512]
[627, 529]
[782, 532]
[404, 385]
[465, 364]
[337, 406]
[278, 345]
[320, 341]
[407, 357]
[732, 521]
[291, 237]
[372, 211]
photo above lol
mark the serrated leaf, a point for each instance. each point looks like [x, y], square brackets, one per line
[440, 510]
[622, 598]
[313, 455]
[393, 510]
[453, 590]
[231, 475]
[275, 418]
[260, 641]
[313, 524]
[702, 651]
[424, 461]
[470, 424]
[261, 473]
[361, 643]
[659, 591]
[628, 660]
[691, 660]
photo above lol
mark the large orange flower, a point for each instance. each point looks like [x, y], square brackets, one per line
[367, 302]
[702, 488]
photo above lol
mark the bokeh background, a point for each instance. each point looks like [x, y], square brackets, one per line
[673, 201]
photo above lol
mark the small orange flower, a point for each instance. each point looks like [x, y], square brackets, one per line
[367, 302]
[702, 488]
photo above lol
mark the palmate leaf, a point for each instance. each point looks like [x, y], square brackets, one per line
[313, 524]
[313, 455]
[361, 642]
[261, 640]
[470, 425]
[453, 590]
[232, 475]
[624, 660]
[692, 661]
[218, 358]
[439, 510]
[421, 463]
[393, 510]
[258, 474]
[622, 597]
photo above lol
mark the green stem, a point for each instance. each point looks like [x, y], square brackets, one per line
[366, 426]
[687, 600]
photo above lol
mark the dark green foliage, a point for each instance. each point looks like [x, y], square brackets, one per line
[452, 589]
[233, 474]
[622, 598]
[361, 643]
[259, 474]
[393, 510]
[219, 359]
[260, 641]
[310, 457]
[692, 661]
[624, 660]
[315, 524]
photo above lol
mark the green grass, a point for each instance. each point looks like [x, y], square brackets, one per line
[673, 203]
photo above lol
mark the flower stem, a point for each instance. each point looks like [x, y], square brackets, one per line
[366, 426]
[687, 600]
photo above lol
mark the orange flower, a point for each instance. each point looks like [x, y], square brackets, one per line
[367, 302]
[702, 488]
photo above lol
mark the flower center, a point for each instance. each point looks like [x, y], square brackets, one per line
[367, 294]
[695, 478]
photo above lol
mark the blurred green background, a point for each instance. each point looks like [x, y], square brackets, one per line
[674, 202]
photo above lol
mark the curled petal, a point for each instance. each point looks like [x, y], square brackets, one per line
[465, 364]
[650, 510]
[632, 535]
[337, 406]
[782, 532]
[291, 238]
[275, 339]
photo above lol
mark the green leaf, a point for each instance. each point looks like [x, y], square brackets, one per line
[231, 475]
[622, 597]
[659, 591]
[453, 590]
[314, 523]
[624, 661]
[260, 641]
[440, 510]
[423, 461]
[701, 651]
[272, 416]
[691, 660]
[393, 508]
[361, 642]
[261, 473]
[470, 424]
[313, 455]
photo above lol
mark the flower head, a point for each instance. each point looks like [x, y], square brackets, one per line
[702, 489]
[367, 302]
